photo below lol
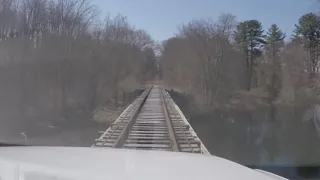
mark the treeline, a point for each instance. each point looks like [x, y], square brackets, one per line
[218, 60]
[58, 54]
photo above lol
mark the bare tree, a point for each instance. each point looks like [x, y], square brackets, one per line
[71, 17]
[79, 62]
[210, 41]
[8, 18]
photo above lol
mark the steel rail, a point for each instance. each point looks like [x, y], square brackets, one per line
[125, 132]
[172, 136]
[151, 122]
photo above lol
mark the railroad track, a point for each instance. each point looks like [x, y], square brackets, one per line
[151, 122]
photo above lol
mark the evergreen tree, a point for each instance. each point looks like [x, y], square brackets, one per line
[307, 31]
[275, 40]
[249, 39]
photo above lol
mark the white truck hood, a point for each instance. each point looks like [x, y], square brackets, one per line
[68, 163]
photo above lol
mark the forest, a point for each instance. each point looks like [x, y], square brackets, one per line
[57, 56]
[224, 63]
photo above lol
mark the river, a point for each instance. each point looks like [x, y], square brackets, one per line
[277, 139]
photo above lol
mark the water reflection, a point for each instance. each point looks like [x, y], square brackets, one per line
[280, 139]
[261, 137]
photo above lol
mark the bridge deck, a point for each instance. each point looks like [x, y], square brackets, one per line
[152, 122]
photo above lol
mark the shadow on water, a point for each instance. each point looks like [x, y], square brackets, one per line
[282, 140]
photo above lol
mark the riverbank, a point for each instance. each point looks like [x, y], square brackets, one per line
[76, 127]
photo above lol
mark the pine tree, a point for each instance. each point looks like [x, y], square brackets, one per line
[275, 40]
[249, 39]
[307, 31]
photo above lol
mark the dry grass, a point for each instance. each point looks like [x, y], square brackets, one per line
[103, 114]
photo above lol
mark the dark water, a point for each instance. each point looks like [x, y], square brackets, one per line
[275, 139]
